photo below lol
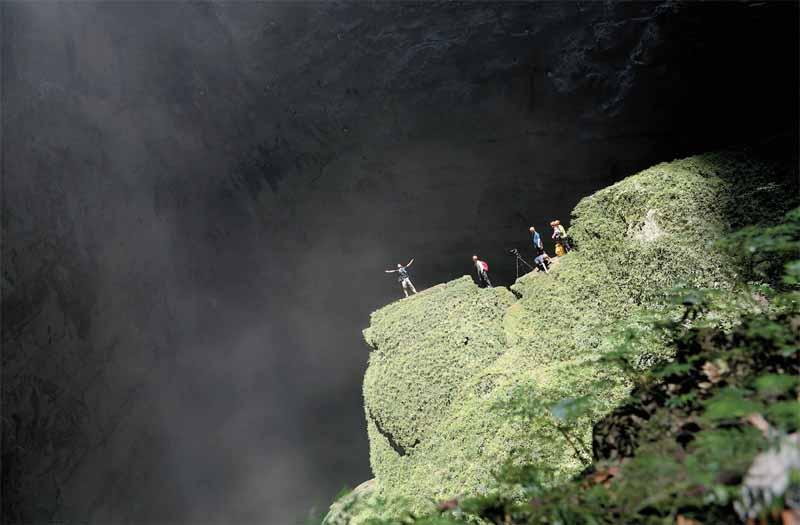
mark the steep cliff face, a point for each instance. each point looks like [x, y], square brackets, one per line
[446, 360]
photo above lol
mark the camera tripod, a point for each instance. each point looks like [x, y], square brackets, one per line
[518, 260]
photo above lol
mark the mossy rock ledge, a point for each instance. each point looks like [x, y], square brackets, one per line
[445, 359]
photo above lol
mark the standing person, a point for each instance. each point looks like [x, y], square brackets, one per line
[560, 235]
[483, 271]
[403, 278]
[536, 239]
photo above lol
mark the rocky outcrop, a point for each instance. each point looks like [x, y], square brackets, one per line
[446, 361]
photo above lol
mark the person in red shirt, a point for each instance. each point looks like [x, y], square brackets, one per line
[482, 268]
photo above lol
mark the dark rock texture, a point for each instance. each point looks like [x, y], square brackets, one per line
[199, 200]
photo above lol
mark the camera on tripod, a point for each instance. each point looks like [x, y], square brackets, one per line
[519, 261]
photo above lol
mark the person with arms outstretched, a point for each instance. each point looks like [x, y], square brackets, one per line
[483, 271]
[403, 278]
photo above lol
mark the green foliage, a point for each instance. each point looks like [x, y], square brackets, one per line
[770, 386]
[769, 253]
[464, 385]
[565, 416]
[730, 404]
[701, 419]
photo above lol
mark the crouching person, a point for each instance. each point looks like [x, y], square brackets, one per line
[542, 262]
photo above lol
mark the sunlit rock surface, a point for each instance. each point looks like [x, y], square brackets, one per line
[443, 361]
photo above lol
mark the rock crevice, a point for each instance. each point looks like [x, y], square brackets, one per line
[397, 447]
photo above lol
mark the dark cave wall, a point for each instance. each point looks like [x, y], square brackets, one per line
[199, 201]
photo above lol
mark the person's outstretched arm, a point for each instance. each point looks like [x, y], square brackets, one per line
[409, 263]
[390, 271]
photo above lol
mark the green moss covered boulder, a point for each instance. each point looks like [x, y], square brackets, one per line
[443, 361]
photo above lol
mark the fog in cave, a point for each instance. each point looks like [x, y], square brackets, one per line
[199, 201]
